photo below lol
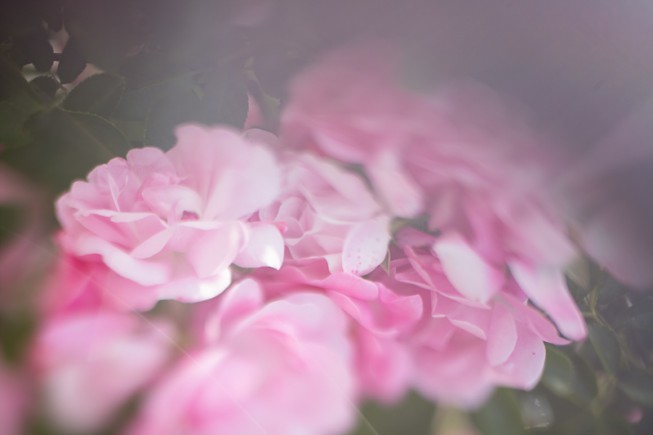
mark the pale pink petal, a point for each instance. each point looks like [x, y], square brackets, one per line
[547, 289]
[401, 194]
[153, 245]
[524, 367]
[265, 247]
[140, 271]
[502, 335]
[213, 250]
[234, 177]
[469, 273]
[366, 246]
[240, 300]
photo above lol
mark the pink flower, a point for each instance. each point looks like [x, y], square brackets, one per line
[351, 106]
[281, 367]
[379, 320]
[462, 153]
[329, 214]
[469, 343]
[90, 363]
[172, 223]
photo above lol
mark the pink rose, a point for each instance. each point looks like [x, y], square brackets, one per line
[90, 363]
[172, 223]
[350, 106]
[379, 320]
[470, 343]
[329, 214]
[281, 367]
[462, 153]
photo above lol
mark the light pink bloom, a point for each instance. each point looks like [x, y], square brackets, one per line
[467, 346]
[90, 363]
[351, 106]
[172, 223]
[281, 367]
[14, 400]
[462, 153]
[379, 320]
[329, 214]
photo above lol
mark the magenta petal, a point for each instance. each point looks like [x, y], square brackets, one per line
[469, 273]
[366, 246]
[502, 335]
[546, 287]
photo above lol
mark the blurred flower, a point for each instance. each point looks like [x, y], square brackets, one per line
[281, 367]
[465, 154]
[467, 346]
[172, 223]
[90, 363]
[379, 320]
[328, 213]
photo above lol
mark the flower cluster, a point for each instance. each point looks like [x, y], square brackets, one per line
[386, 240]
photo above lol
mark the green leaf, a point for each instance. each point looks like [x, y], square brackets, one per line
[219, 98]
[567, 377]
[71, 63]
[13, 83]
[637, 384]
[606, 346]
[46, 86]
[98, 94]
[500, 415]
[414, 415]
[14, 114]
[639, 316]
[67, 146]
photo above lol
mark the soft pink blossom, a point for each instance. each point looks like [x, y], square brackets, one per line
[282, 367]
[90, 363]
[329, 214]
[350, 106]
[467, 156]
[380, 319]
[171, 224]
[465, 345]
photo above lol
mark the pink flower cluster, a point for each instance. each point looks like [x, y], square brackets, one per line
[386, 240]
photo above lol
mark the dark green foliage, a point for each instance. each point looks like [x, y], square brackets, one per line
[413, 415]
[500, 415]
